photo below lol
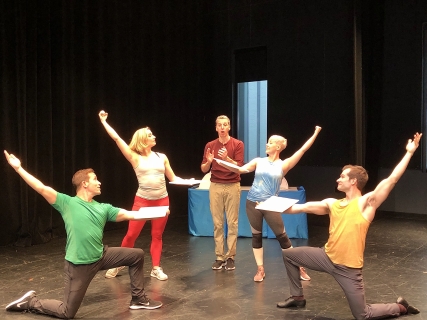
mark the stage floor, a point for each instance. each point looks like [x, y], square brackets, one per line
[395, 264]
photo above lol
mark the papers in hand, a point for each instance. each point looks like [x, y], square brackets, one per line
[228, 164]
[276, 204]
[186, 182]
[151, 212]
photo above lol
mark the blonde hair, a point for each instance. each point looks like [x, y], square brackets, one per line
[80, 176]
[139, 140]
[221, 118]
[281, 141]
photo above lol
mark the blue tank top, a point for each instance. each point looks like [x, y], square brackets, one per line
[267, 181]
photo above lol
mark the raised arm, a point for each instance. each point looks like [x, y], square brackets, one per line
[291, 162]
[47, 192]
[131, 156]
[372, 200]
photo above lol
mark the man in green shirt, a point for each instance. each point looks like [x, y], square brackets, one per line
[84, 220]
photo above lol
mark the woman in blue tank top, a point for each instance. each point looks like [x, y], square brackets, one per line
[269, 173]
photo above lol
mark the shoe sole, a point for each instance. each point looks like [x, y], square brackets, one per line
[29, 293]
[144, 307]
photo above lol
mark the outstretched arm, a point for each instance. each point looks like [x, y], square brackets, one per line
[124, 148]
[47, 192]
[291, 162]
[315, 207]
[249, 167]
[125, 215]
[375, 198]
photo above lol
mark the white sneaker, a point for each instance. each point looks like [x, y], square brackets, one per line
[112, 273]
[159, 274]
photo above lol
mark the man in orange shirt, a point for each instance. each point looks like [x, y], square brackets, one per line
[342, 256]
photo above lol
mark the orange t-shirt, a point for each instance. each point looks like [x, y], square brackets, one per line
[347, 234]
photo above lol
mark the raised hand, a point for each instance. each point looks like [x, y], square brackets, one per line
[413, 144]
[103, 115]
[13, 161]
[209, 155]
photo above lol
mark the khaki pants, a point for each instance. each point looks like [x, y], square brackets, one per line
[225, 197]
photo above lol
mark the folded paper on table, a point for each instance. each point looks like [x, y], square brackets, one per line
[151, 212]
[228, 164]
[276, 204]
[186, 182]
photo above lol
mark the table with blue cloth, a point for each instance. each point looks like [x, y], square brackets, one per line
[200, 218]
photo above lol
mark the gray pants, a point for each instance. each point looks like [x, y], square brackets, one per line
[78, 278]
[350, 280]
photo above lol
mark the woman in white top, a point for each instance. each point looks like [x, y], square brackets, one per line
[150, 169]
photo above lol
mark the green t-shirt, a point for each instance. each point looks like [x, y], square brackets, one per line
[84, 224]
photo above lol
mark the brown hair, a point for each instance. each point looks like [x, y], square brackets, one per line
[359, 173]
[80, 176]
[139, 140]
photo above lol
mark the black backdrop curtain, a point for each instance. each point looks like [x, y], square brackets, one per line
[61, 63]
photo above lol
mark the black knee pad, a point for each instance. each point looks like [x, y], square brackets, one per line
[256, 240]
[284, 241]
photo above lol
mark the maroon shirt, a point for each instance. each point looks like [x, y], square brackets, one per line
[235, 150]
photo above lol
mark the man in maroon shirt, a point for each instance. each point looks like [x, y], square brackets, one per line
[224, 191]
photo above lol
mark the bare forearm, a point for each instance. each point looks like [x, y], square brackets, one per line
[205, 167]
[32, 181]
[401, 167]
[111, 132]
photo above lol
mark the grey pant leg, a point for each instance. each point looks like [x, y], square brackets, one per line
[350, 280]
[132, 257]
[78, 278]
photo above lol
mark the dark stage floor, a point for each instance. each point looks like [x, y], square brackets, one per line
[395, 264]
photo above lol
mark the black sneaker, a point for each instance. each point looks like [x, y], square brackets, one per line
[230, 264]
[144, 303]
[218, 264]
[22, 303]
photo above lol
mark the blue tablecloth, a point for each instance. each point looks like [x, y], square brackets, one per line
[200, 219]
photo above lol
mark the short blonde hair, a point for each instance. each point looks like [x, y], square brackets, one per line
[281, 141]
[221, 118]
[139, 140]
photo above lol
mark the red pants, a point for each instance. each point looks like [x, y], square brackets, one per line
[157, 228]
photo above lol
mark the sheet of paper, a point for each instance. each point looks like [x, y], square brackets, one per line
[276, 204]
[228, 164]
[186, 182]
[151, 212]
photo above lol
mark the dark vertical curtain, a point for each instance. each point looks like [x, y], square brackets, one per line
[61, 63]
[162, 64]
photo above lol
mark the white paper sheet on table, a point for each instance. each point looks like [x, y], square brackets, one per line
[151, 212]
[186, 182]
[228, 164]
[276, 204]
